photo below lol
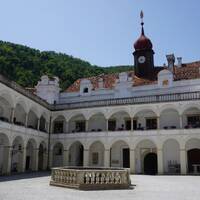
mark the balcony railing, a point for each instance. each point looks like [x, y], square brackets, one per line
[131, 101]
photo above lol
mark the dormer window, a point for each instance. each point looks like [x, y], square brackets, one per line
[85, 90]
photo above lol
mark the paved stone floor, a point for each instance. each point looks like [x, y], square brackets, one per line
[36, 187]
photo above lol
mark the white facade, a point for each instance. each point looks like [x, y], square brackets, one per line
[147, 135]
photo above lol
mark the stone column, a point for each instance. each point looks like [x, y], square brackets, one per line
[50, 164]
[158, 123]
[23, 162]
[107, 158]
[36, 159]
[86, 125]
[183, 161]
[106, 124]
[26, 120]
[132, 161]
[8, 160]
[160, 161]
[38, 125]
[131, 124]
[67, 127]
[12, 115]
[86, 157]
[66, 158]
[181, 121]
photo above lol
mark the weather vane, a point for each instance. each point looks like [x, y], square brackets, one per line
[142, 16]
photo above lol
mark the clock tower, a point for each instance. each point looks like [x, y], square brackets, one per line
[143, 55]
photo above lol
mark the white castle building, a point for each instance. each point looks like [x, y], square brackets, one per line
[147, 120]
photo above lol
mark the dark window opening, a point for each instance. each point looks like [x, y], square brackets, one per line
[193, 121]
[58, 127]
[151, 123]
[80, 126]
[85, 90]
[112, 125]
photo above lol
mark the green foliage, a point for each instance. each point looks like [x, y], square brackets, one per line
[26, 65]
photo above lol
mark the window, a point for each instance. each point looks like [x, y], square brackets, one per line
[135, 124]
[58, 151]
[80, 126]
[58, 127]
[151, 123]
[95, 158]
[111, 125]
[128, 125]
[85, 90]
[193, 121]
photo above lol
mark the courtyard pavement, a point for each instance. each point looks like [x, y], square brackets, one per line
[36, 187]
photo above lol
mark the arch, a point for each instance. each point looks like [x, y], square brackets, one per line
[59, 124]
[76, 151]
[146, 118]
[75, 114]
[191, 117]
[32, 120]
[169, 118]
[19, 115]
[192, 147]
[189, 106]
[145, 108]
[96, 112]
[97, 122]
[58, 151]
[170, 107]
[77, 123]
[42, 156]
[5, 109]
[120, 121]
[17, 154]
[31, 148]
[96, 154]
[120, 154]
[8, 97]
[171, 156]
[143, 147]
[4, 153]
[43, 124]
[118, 110]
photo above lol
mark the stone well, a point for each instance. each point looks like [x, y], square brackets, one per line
[91, 178]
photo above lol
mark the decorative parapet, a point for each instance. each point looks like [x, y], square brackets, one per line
[91, 178]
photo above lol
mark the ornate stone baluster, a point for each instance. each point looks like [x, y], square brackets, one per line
[97, 178]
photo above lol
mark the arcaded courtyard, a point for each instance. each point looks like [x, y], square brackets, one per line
[36, 187]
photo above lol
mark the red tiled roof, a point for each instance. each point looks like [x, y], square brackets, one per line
[187, 71]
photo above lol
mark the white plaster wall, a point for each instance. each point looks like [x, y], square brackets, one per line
[171, 152]
[169, 118]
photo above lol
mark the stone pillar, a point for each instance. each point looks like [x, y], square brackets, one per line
[158, 123]
[131, 124]
[106, 124]
[36, 159]
[50, 164]
[66, 158]
[181, 121]
[86, 157]
[160, 161]
[23, 162]
[132, 161]
[8, 160]
[67, 127]
[26, 120]
[86, 126]
[107, 158]
[38, 124]
[12, 113]
[183, 161]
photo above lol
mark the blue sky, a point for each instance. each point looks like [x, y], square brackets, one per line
[103, 31]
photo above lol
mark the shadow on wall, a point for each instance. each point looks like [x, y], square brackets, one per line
[26, 175]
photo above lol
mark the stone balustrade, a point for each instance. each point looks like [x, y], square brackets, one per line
[91, 178]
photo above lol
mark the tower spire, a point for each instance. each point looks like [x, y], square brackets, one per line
[142, 22]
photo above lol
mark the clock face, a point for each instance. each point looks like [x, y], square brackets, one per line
[141, 59]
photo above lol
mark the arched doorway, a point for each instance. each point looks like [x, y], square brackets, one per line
[193, 156]
[42, 157]
[150, 164]
[76, 154]
[31, 156]
[58, 155]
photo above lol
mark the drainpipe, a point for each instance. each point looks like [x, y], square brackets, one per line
[49, 143]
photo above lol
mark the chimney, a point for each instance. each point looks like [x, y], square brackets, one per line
[170, 60]
[179, 61]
